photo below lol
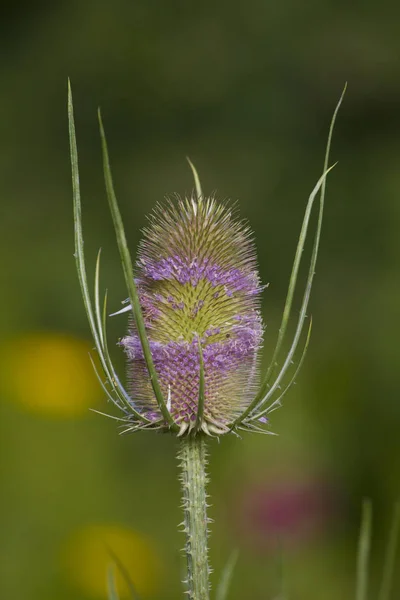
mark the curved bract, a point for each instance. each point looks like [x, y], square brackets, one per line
[196, 329]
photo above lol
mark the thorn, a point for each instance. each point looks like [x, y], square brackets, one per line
[123, 310]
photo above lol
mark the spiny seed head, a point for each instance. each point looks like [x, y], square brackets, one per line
[197, 281]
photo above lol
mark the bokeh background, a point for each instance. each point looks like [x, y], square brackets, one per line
[246, 90]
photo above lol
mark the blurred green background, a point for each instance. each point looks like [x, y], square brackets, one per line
[246, 90]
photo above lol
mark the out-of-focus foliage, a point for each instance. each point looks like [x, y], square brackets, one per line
[247, 91]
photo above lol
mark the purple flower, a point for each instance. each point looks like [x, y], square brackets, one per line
[197, 283]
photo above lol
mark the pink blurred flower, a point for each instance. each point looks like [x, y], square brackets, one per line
[290, 511]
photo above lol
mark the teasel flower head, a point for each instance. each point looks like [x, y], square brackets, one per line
[199, 290]
[195, 330]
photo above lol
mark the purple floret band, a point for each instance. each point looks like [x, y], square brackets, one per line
[179, 269]
[221, 356]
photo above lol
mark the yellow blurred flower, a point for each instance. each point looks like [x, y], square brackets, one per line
[49, 373]
[88, 554]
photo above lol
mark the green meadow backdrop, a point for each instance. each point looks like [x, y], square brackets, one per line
[247, 91]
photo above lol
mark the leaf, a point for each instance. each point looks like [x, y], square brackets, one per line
[226, 577]
[111, 585]
[364, 544]
[390, 555]
[124, 573]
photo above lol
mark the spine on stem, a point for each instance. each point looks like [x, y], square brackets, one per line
[193, 461]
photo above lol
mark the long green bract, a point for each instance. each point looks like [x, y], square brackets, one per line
[261, 397]
[79, 253]
[302, 317]
[129, 281]
[93, 318]
[277, 402]
[122, 399]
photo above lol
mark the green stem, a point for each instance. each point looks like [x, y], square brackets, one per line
[193, 461]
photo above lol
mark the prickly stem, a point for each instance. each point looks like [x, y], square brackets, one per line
[193, 460]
